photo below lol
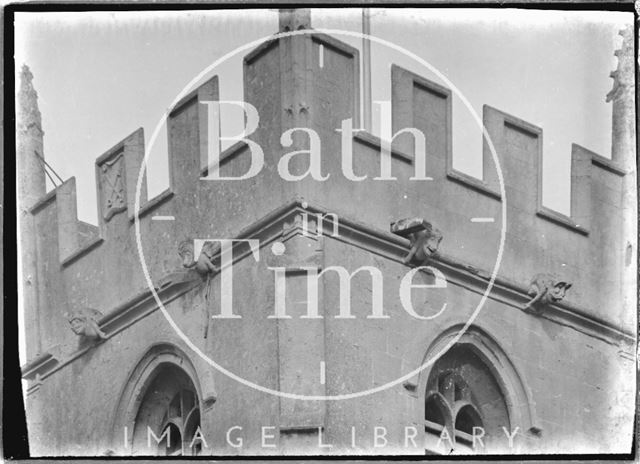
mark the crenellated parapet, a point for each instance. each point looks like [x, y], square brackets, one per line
[311, 81]
[537, 237]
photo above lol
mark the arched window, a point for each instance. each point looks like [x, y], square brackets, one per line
[463, 397]
[170, 441]
[466, 419]
[434, 411]
[169, 412]
[437, 413]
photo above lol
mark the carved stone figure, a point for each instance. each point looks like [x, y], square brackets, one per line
[204, 266]
[84, 323]
[424, 238]
[546, 289]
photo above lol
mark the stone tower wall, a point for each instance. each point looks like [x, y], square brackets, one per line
[578, 345]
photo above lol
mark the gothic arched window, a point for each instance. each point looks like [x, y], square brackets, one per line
[463, 399]
[170, 411]
[180, 422]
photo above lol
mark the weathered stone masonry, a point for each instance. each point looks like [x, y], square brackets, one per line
[560, 374]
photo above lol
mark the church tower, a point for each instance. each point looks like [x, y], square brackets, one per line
[324, 292]
[31, 188]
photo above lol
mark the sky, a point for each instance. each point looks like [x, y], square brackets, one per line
[101, 75]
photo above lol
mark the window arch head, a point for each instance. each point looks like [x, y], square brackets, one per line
[467, 418]
[166, 368]
[436, 410]
[462, 386]
[168, 415]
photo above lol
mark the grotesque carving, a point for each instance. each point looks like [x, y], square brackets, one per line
[204, 266]
[424, 238]
[84, 323]
[546, 289]
[424, 244]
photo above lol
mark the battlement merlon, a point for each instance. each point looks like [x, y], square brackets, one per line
[117, 172]
[188, 132]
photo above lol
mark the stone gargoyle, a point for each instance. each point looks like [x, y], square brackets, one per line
[423, 238]
[204, 266]
[84, 323]
[546, 289]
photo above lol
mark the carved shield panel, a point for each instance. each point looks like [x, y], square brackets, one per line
[114, 196]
